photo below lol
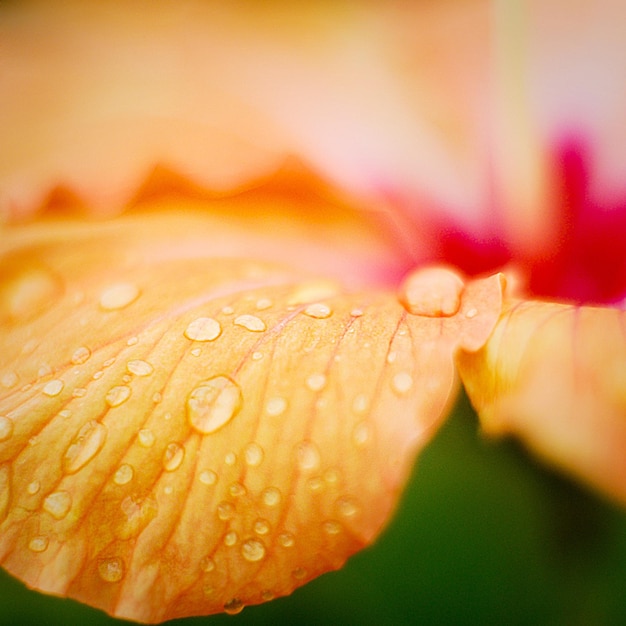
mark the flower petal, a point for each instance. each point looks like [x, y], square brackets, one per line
[555, 376]
[185, 434]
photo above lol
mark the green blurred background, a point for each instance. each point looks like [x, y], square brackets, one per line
[483, 535]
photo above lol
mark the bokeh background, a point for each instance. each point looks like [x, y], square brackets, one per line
[483, 535]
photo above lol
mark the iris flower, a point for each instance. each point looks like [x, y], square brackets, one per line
[250, 254]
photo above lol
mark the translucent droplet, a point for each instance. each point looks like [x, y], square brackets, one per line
[361, 434]
[85, 446]
[257, 356]
[139, 367]
[58, 504]
[347, 507]
[253, 454]
[225, 511]
[316, 382]
[356, 312]
[44, 370]
[207, 477]
[213, 403]
[307, 456]
[207, 564]
[157, 396]
[145, 437]
[230, 538]
[228, 310]
[331, 476]
[81, 355]
[230, 458]
[253, 550]
[196, 352]
[109, 362]
[318, 310]
[402, 382]
[173, 457]
[271, 496]
[234, 606]
[360, 404]
[9, 379]
[392, 356]
[331, 527]
[432, 292]
[267, 595]
[261, 527]
[299, 573]
[118, 296]
[276, 406]
[471, 313]
[132, 341]
[251, 323]
[27, 289]
[79, 392]
[33, 488]
[315, 484]
[38, 544]
[124, 474]
[203, 329]
[97, 375]
[263, 303]
[53, 388]
[6, 428]
[138, 513]
[111, 570]
[117, 395]
[236, 490]
[286, 540]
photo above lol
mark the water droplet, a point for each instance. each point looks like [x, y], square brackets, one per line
[145, 437]
[196, 352]
[65, 413]
[402, 382]
[276, 406]
[315, 484]
[207, 477]
[38, 544]
[392, 356]
[99, 374]
[53, 388]
[118, 296]
[356, 312]
[213, 403]
[261, 527]
[271, 496]
[230, 458]
[203, 329]
[471, 313]
[111, 570]
[85, 446]
[81, 355]
[225, 511]
[117, 395]
[361, 434]
[139, 367]
[251, 323]
[6, 428]
[157, 397]
[58, 504]
[8, 380]
[307, 455]
[347, 507]
[109, 362]
[316, 382]
[331, 476]
[318, 310]
[33, 487]
[432, 292]
[168, 490]
[207, 564]
[253, 550]
[44, 370]
[230, 538]
[263, 303]
[28, 287]
[313, 290]
[124, 474]
[132, 341]
[234, 606]
[138, 513]
[360, 404]
[228, 310]
[79, 392]
[286, 540]
[331, 527]
[257, 356]
[173, 457]
[236, 490]
[253, 454]
[267, 595]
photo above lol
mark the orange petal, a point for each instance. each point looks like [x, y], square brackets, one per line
[184, 434]
[555, 375]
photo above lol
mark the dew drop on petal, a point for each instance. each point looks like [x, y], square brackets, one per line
[173, 457]
[360, 404]
[6, 428]
[58, 504]
[230, 458]
[253, 454]
[432, 292]
[118, 296]
[261, 526]
[263, 303]
[234, 606]
[276, 406]
[237, 490]
[251, 323]
[318, 310]
[331, 527]
[471, 313]
[53, 388]
[257, 356]
[253, 550]
[230, 539]
[207, 477]
[33, 487]
[79, 392]
[313, 290]
[117, 395]
[213, 403]
[347, 507]
[361, 434]
[286, 540]
[402, 382]
[8, 380]
[307, 456]
[38, 544]
[124, 474]
[139, 367]
[316, 382]
[203, 329]
[207, 564]
[111, 570]
[145, 437]
[225, 511]
[85, 446]
[81, 355]
[138, 513]
[271, 496]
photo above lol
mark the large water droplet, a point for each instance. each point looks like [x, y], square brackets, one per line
[276, 406]
[85, 446]
[213, 403]
[253, 454]
[139, 367]
[124, 474]
[58, 504]
[316, 382]
[230, 538]
[207, 477]
[271, 496]
[261, 527]
[118, 296]
[307, 456]
[111, 570]
[117, 395]
[81, 355]
[173, 457]
[234, 606]
[6, 428]
[263, 303]
[27, 288]
[145, 437]
[203, 329]
[253, 550]
[318, 310]
[53, 388]
[250, 322]
[38, 544]
[402, 382]
[432, 292]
